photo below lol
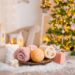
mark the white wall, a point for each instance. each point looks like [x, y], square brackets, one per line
[0, 11]
[18, 15]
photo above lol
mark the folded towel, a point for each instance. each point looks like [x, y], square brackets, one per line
[22, 54]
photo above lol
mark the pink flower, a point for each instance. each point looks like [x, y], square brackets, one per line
[73, 27]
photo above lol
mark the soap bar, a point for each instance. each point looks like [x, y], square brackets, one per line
[59, 58]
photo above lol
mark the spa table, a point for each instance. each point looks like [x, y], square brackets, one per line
[69, 69]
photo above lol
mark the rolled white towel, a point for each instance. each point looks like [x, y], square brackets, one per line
[49, 51]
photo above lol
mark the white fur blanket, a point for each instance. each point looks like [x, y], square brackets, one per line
[50, 69]
[40, 68]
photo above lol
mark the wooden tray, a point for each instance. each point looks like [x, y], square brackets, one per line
[31, 63]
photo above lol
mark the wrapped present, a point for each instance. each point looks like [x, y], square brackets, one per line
[60, 57]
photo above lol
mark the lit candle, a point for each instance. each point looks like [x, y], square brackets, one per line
[20, 40]
[13, 38]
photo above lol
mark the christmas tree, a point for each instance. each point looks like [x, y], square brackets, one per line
[62, 24]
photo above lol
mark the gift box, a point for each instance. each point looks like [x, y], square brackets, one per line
[60, 58]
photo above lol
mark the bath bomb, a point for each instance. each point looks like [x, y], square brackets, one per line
[37, 55]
